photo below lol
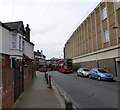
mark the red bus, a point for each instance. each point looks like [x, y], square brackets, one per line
[52, 64]
[65, 65]
[42, 65]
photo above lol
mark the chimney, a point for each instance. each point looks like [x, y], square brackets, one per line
[27, 32]
[38, 51]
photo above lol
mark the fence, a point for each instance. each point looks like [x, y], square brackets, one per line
[9, 85]
[29, 73]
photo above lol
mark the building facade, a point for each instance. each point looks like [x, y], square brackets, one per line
[96, 42]
[16, 61]
[38, 58]
[15, 43]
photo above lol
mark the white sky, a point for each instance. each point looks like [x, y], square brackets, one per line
[51, 21]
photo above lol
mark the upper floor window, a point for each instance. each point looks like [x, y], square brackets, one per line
[13, 41]
[23, 46]
[104, 13]
[117, 4]
[20, 39]
[106, 36]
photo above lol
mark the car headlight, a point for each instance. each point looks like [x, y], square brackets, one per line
[103, 75]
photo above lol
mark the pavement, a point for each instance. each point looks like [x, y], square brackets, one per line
[39, 95]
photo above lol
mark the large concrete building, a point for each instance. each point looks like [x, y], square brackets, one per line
[96, 42]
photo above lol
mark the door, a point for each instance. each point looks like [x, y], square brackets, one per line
[18, 79]
[118, 68]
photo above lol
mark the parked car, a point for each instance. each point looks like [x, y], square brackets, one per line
[83, 72]
[100, 74]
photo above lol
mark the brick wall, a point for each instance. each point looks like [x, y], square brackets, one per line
[30, 63]
[8, 87]
[28, 75]
[4, 60]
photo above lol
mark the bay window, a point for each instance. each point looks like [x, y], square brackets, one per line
[13, 41]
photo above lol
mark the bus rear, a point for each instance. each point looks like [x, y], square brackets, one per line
[65, 65]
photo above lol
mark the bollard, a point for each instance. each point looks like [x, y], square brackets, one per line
[50, 81]
[47, 78]
[45, 75]
[68, 105]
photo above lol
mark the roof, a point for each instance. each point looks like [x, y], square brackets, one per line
[1, 24]
[37, 53]
[28, 41]
[15, 25]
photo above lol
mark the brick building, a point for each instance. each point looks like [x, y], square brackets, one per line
[96, 43]
[16, 61]
[38, 56]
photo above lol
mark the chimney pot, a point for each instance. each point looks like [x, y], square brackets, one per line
[27, 32]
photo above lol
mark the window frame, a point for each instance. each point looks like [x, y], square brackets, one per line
[14, 41]
[104, 13]
[106, 36]
[20, 42]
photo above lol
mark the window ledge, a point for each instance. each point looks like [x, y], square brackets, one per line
[106, 42]
[104, 19]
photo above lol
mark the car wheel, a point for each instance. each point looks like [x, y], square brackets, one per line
[82, 74]
[99, 78]
[90, 76]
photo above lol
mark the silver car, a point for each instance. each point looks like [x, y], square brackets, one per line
[83, 72]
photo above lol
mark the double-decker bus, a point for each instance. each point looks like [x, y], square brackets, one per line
[42, 65]
[65, 65]
[52, 64]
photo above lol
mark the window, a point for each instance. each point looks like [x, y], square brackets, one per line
[20, 42]
[102, 71]
[104, 13]
[12, 62]
[14, 41]
[106, 36]
[23, 46]
[117, 4]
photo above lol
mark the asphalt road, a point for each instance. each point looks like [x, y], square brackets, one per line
[87, 93]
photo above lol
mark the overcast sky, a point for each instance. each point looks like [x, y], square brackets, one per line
[51, 21]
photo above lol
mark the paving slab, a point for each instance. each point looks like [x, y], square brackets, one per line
[38, 95]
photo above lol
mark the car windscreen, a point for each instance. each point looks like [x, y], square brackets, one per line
[67, 67]
[102, 71]
[86, 70]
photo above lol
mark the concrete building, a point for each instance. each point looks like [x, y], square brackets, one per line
[96, 42]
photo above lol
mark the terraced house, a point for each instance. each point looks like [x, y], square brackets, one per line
[16, 61]
[96, 42]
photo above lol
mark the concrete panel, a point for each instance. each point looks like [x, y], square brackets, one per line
[98, 56]
[109, 63]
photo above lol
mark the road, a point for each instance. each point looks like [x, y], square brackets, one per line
[87, 93]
